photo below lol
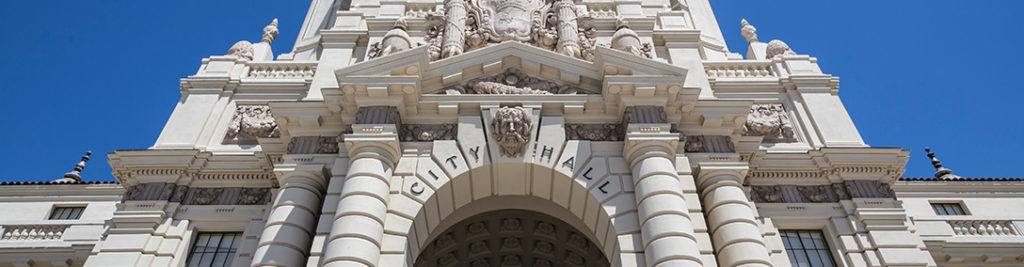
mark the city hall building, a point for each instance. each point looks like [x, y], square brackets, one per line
[511, 133]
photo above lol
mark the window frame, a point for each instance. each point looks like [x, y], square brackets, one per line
[239, 236]
[54, 211]
[945, 206]
[823, 241]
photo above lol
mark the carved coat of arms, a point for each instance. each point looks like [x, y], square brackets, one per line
[470, 24]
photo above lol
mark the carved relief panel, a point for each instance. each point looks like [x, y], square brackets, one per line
[250, 122]
[770, 121]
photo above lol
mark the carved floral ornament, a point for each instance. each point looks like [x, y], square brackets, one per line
[464, 25]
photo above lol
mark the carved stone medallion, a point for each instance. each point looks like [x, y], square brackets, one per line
[512, 128]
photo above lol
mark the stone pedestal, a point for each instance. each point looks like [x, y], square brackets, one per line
[666, 228]
[286, 238]
[730, 216]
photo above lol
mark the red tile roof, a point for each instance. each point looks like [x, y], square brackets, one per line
[56, 183]
[963, 179]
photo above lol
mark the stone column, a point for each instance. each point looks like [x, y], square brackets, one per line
[734, 232]
[286, 237]
[665, 225]
[358, 226]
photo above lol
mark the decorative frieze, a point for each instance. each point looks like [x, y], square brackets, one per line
[644, 114]
[314, 145]
[594, 132]
[428, 132]
[709, 144]
[378, 115]
[198, 195]
[770, 121]
[512, 129]
[250, 122]
[820, 193]
[512, 81]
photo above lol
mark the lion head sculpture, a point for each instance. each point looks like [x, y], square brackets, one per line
[511, 128]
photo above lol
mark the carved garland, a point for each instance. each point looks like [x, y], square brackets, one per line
[512, 81]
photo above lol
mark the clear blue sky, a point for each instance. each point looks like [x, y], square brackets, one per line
[103, 75]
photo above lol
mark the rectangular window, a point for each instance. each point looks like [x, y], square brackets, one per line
[807, 248]
[947, 209]
[66, 213]
[214, 249]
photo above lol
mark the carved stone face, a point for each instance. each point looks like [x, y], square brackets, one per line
[511, 128]
[511, 19]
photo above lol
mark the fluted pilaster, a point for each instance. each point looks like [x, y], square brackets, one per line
[730, 217]
[287, 235]
[358, 226]
[666, 228]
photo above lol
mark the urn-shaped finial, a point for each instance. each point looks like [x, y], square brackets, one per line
[626, 39]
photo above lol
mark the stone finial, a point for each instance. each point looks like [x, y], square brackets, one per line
[270, 32]
[76, 174]
[777, 47]
[940, 172]
[748, 31]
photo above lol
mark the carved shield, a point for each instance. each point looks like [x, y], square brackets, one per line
[508, 19]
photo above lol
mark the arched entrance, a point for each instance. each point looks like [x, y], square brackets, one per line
[511, 237]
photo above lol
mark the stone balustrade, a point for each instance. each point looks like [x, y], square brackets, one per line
[32, 232]
[983, 228]
[281, 70]
[740, 69]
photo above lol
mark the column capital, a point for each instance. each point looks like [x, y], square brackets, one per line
[380, 139]
[645, 138]
[709, 173]
[311, 175]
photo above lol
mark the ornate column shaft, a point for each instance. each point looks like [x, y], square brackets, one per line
[358, 226]
[454, 28]
[666, 228]
[730, 217]
[287, 235]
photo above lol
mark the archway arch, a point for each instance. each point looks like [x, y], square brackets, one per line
[428, 210]
[511, 237]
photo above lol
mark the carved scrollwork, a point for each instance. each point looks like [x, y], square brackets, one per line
[206, 196]
[250, 122]
[242, 50]
[428, 132]
[815, 193]
[314, 144]
[512, 81]
[770, 121]
[512, 128]
[772, 193]
[252, 196]
[594, 132]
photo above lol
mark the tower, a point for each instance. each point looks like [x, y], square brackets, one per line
[510, 132]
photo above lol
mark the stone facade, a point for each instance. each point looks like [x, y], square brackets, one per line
[515, 133]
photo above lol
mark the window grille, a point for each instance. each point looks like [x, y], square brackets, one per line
[66, 213]
[807, 248]
[214, 249]
[947, 209]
